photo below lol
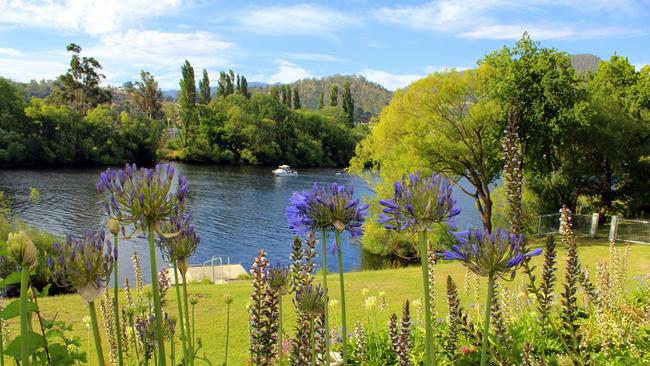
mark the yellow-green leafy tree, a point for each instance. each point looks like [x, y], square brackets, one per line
[443, 123]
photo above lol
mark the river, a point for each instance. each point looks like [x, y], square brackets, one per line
[236, 210]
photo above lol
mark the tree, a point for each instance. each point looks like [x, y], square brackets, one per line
[205, 94]
[321, 103]
[187, 102]
[244, 88]
[230, 83]
[444, 123]
[348, 103]
[296, 99]
[147, 96]
[334, 95]
[274, 92]
[79, 87]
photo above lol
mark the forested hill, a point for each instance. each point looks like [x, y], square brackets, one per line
[369, 98]
[584, 62]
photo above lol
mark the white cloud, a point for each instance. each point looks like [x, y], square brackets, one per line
[388, 80]
[542, 32]
[25, 70]
[10, 52]
[431, 68]
[501, 19]
[313, 57]
[295, 19]
[161, 53]
[93, 16]
[288, 72]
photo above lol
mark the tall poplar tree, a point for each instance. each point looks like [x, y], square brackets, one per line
[321, 101]
[204, 88]
[244, 87]
[334, 95]
[296, 99]
[187, 102]
[348, 104]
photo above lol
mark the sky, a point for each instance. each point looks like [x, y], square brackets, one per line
[389, 42]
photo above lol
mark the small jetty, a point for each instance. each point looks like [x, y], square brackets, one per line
[212, 271]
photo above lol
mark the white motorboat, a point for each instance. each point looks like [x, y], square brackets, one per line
[284, 171]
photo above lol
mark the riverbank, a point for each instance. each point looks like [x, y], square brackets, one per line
[397, 284]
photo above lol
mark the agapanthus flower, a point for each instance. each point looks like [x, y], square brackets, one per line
[145, 329]
[83, 265]
[143, 196]
[486, 253]
[278, 278]
[418, 203]
[179, 240]
[309, 300]
[331, 208]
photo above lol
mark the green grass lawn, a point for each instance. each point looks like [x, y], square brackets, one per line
[398, 284]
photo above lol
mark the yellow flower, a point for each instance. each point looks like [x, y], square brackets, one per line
[364, 292]
[22, 249]
[371, 302]
[333, 303]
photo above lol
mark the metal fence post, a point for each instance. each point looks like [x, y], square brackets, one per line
[613, 228]
[594, 225]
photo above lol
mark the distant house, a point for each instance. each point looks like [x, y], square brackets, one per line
[173, 133]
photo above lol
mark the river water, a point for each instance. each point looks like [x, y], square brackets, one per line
[236, 210]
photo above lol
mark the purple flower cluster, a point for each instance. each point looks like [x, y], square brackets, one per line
[418, 203]
[83, 265]
[486, 253]
[331, 208]
[179, 240]
[143, 196]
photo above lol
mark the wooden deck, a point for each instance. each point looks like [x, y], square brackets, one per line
[215, 274]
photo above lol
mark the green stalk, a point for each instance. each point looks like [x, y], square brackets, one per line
[280, 334]
[24, 315]
[312, 342]
[118, 333]
[2, 346]
[430, 355]
[193, 333]
[180, 314]
[325, 294]
[98, 340]
[486, 326]
[225, 363]
[190, 341]
[342, 286]
[156, 299]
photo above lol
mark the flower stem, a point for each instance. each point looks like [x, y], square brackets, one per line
[24, 315]
[342, 286]
[162, 361]
[325, 294]
[2, 345]
[98, 340]
[486, 326]
[190, 340]
[225, 362]
[280, 350]
[118, 333]
[312, 342]
[430, 354]
[180, 314]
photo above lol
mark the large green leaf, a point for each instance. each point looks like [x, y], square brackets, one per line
[34, 341]
[13, 278]
[13, 309]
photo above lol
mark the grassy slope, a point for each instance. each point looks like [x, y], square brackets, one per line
[398, 284]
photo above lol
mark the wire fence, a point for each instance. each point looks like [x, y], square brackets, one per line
[550, 224]
[633, 231]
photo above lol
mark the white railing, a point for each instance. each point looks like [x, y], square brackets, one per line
[629, 230]
[211, 266]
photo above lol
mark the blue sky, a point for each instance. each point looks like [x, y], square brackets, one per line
[392, 43]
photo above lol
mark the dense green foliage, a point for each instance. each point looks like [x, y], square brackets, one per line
[262, 130]
[585, 138]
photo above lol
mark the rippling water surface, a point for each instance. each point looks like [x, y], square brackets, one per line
[236, 210]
